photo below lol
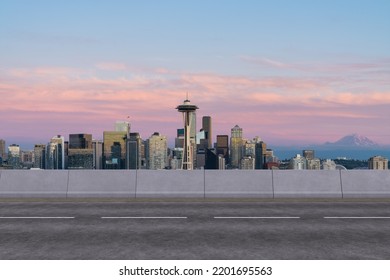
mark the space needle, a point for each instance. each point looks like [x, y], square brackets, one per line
[188, 152]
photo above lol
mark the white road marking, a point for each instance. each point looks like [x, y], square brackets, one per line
[257, 217]
[356, 217]
[37, 217]
[144, 217]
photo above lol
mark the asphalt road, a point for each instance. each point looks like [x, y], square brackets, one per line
[195, 230]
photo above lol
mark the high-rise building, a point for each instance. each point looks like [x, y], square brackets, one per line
[114, 149]
[298, 163]
[39, 156]
[308, 154]
[14, 156]
[122, 126]
[134, 146]
[378, 163]
[97, 146]
[80, 152]
[236, 146]
[189, 119]
[206, 126]
[260, 154]
[3, 153]
[223, 147]
[156, 150]
[247, 163]
[80, 141]
[179, 140]
[55, 153]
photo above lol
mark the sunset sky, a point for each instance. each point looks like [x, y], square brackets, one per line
[288, 71]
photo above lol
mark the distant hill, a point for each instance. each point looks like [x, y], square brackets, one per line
[354, 141]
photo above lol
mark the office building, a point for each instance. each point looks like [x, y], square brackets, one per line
[114, 149]
[176, 158]
[39, 156]
[97, 146]
[298, 163]
[14, 156]
[308, 154]
[378, 163]
[314, 164]
[156, 152]
[55, 153]
[260, 154]
[207, 128]
[179, 140]
[247, 163]
[221, 162]
[223, 147]
[122, 126]
[3, 153]
[236, 147]
[80, 152]
[134, 146]
[80, 141]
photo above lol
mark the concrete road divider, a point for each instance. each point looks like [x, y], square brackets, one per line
[102, 183]
[307, 183]
[170, 183]
[365, 183]
[238, 183]
[34, 183]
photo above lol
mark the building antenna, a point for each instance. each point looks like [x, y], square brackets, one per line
[187, 95]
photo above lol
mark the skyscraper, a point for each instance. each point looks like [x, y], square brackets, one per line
[223, 147]
[3, 153]
[55, 153]
[80, 151]
[39, 156]
[236, 146]
[206, 126]
[114, 149]
[189, 119]
[156, 149]
[97, 146]
[14, 156]
[134, 146]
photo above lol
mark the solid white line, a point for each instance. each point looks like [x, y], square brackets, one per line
[144, 217]
[36, 217]
[257, 217]
[356, 217]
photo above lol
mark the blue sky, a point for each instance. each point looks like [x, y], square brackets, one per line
[241, 61]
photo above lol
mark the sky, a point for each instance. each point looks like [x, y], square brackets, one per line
[291, 72]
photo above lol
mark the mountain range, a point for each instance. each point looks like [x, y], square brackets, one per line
[354, 140]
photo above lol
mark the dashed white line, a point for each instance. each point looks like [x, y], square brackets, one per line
[144, 217]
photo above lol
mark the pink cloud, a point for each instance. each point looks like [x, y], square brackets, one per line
[45, 101]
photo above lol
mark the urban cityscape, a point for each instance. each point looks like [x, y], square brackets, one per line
[122, 148]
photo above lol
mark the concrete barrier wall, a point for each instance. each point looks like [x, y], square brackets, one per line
[238, 183]
[197, 184]
[170, 183]
[365, 183]
[36, 183]
[307, 183]
[102, 183]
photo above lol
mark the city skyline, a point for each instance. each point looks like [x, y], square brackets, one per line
[290, 73]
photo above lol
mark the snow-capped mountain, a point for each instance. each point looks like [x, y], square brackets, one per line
[354, 140]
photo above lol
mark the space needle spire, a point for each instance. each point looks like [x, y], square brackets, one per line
[189, 118]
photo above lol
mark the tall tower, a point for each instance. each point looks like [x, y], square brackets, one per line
[189, 119]
[236, 146]
[206, 125]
